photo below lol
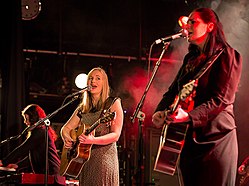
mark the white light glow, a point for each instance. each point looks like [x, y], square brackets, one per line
[81, 81]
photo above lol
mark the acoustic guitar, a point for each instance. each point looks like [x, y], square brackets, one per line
[73, 159]
[173, 135]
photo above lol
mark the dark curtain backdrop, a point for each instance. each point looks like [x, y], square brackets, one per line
[13, 92]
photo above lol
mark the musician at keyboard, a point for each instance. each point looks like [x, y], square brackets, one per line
[33, 149]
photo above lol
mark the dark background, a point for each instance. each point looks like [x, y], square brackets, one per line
[68, 37]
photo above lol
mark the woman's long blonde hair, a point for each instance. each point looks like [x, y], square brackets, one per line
[86, 103]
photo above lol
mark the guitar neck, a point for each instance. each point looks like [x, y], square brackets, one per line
[172, 107]
[90, 129]
[107, 118]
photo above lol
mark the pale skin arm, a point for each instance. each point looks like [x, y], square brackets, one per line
[12, 165]
[116, 128]
[71, 124]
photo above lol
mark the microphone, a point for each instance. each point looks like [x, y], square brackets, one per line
[87, 88]
[182, 33]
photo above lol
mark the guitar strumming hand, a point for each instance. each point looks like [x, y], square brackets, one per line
[175, 114]
[179, 116]
[160, 118]
[85, 139]
[67, 139]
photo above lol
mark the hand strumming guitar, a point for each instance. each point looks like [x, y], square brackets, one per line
[177, 117]
[66, 137]
[160, 118]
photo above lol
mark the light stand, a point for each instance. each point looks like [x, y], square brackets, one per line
[141, 116]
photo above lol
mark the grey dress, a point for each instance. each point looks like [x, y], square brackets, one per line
[102, 168]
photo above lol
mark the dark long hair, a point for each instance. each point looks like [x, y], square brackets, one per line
[216, 36]
[35, 113]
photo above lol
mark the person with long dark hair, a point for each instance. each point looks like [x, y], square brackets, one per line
[33, 149]
[210, 152]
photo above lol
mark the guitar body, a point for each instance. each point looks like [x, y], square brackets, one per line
[173, 135]
[170, 147]
[72, 166]
[73, 159]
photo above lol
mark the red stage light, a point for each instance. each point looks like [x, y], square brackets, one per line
[182, 21]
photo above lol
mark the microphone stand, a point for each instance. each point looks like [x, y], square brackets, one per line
[138, 113]
[47, 124]
[14, 137]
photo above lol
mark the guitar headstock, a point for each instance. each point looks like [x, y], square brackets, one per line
[109, 116]
[187, 89]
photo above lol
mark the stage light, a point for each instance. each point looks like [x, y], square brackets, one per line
[81, 80]
[183, 21]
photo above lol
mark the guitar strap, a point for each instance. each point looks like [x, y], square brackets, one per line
[209, 63]
[107, 105]
[205, 67]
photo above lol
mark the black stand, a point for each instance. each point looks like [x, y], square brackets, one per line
[47, 124]
[141, 116]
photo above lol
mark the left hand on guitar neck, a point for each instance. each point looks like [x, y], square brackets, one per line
[86, 139]
[158, 119]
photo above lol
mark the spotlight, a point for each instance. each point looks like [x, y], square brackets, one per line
[182, 21]
[81, 80]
